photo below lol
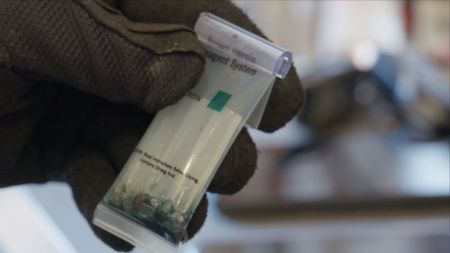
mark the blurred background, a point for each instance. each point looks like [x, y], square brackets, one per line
[364, 168]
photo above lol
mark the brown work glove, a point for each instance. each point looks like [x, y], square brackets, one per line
[80, 80]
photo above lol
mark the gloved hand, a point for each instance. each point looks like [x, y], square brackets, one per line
[80, 80]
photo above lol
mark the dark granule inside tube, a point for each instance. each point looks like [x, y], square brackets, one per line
[159, 216]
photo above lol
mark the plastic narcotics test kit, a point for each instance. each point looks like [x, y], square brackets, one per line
[152, 201]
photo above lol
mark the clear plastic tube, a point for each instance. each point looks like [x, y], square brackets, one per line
[152, 201]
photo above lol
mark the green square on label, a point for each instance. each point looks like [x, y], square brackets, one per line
[219, 101]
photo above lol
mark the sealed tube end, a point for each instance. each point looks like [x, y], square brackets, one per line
[116, 224]
[262, 54]
[284, 65]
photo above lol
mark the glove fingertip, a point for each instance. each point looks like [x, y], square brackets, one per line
[285, 103]
[177, 74]
[90, 174]
[112, 241]
[198, 219]
[237, 167]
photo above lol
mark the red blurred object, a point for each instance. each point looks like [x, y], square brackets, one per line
[408, 19]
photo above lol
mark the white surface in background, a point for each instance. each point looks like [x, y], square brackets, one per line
[287, 23]
[424, 169]
[26, 226]
[344, 24]
[58, 202]
[365, 55]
